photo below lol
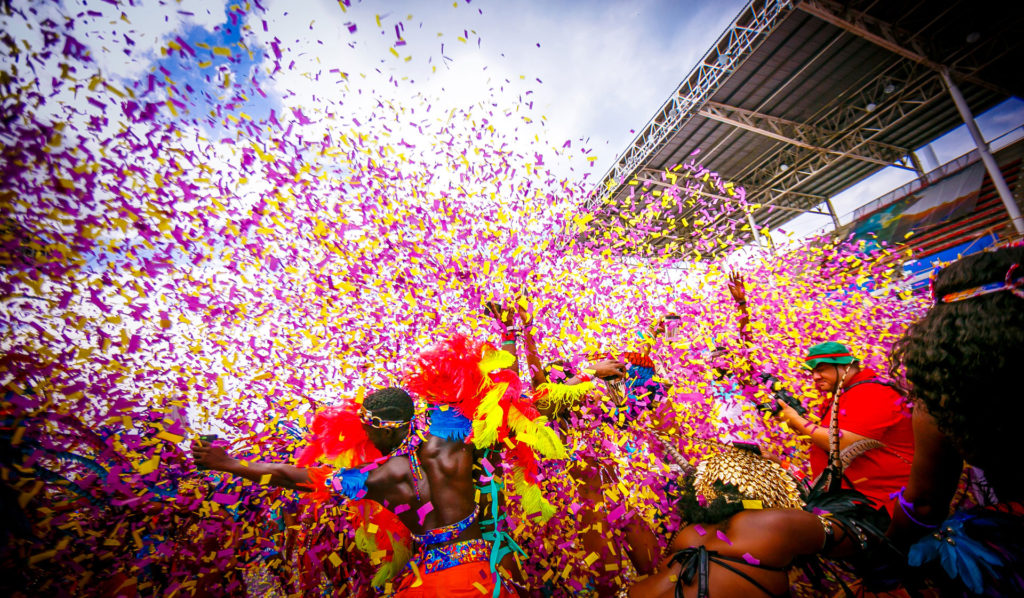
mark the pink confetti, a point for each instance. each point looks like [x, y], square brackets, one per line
[422, 512]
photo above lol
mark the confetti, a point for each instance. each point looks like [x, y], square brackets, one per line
[188, 250]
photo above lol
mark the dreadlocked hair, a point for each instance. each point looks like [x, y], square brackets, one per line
[963, 363]
[727, 502]
[391, 403]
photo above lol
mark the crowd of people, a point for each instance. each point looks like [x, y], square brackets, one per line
[913, 486]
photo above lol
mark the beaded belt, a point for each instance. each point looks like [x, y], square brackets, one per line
[440, 558]
[447, 533]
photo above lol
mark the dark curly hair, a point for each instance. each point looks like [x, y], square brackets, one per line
[728, 502]
[964, 361]
[390, 403]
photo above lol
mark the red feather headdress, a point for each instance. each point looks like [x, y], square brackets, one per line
[338, 438]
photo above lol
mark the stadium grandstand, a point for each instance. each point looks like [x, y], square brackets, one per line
[800, 100]
[953, 210]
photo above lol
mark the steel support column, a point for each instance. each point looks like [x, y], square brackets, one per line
[753, 228]
[989, 160]
[832, 213]
[921, 172]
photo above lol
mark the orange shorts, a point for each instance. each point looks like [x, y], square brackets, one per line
[471, 580]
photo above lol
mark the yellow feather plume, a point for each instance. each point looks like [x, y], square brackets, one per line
[532, 500]
[561, 396]
[400, 557]
[535, 434]
[487, 419]
[496, 360]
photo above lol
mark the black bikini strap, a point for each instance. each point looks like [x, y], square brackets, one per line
[695, 562]
[750, 579]
[722, 557]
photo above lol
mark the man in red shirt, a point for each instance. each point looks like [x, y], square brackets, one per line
[876, 437]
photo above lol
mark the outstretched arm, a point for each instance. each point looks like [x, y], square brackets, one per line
[738, 290]
[653, 332]
[281, 475]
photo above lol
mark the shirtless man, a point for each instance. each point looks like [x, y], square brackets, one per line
[438, 472]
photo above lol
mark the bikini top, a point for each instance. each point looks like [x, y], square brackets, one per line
[695, 563]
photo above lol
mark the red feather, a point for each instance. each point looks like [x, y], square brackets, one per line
[337, 430]
[523, 457]
[449, 373]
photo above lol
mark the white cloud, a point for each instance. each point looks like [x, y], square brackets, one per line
[143, 29]
[603, 69]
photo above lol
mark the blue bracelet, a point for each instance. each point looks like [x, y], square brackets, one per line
[905, 504]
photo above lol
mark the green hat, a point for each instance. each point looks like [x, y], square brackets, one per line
[830, 352]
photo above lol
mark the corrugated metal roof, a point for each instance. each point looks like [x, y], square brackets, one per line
[853, 104]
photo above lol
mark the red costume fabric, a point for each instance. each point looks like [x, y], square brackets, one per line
[878, 412]
[454, 582]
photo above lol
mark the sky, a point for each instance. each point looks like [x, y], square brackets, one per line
[592, 72]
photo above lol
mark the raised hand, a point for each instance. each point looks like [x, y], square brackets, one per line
[609, 369]
[525, 312]
[505, 316]
[737, 288]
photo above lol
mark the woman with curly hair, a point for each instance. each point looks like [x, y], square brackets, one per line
[962, 362]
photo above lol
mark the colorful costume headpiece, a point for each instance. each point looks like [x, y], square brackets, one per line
[338, 438]
[756, 477]
[469, 377]
[1009, 283]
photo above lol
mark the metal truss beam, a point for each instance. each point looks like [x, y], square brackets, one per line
[794, 166]
[875, 31]
[731, 49]
[902, 43]
[857, 111]
[794, 133]
[658, 178]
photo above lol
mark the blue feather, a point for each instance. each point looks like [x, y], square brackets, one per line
[350, 482]
[450, 424]
[961, 556]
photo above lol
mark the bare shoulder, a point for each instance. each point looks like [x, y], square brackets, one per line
[391, 481]
[453, 457]
[781, 533]
[772, 520]
[392, 471]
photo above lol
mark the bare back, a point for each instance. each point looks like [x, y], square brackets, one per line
[447, 487]
[773, 537]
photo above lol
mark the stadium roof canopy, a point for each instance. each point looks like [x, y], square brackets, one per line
[798, 100]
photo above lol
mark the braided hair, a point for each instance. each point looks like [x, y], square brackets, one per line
[390, 403]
